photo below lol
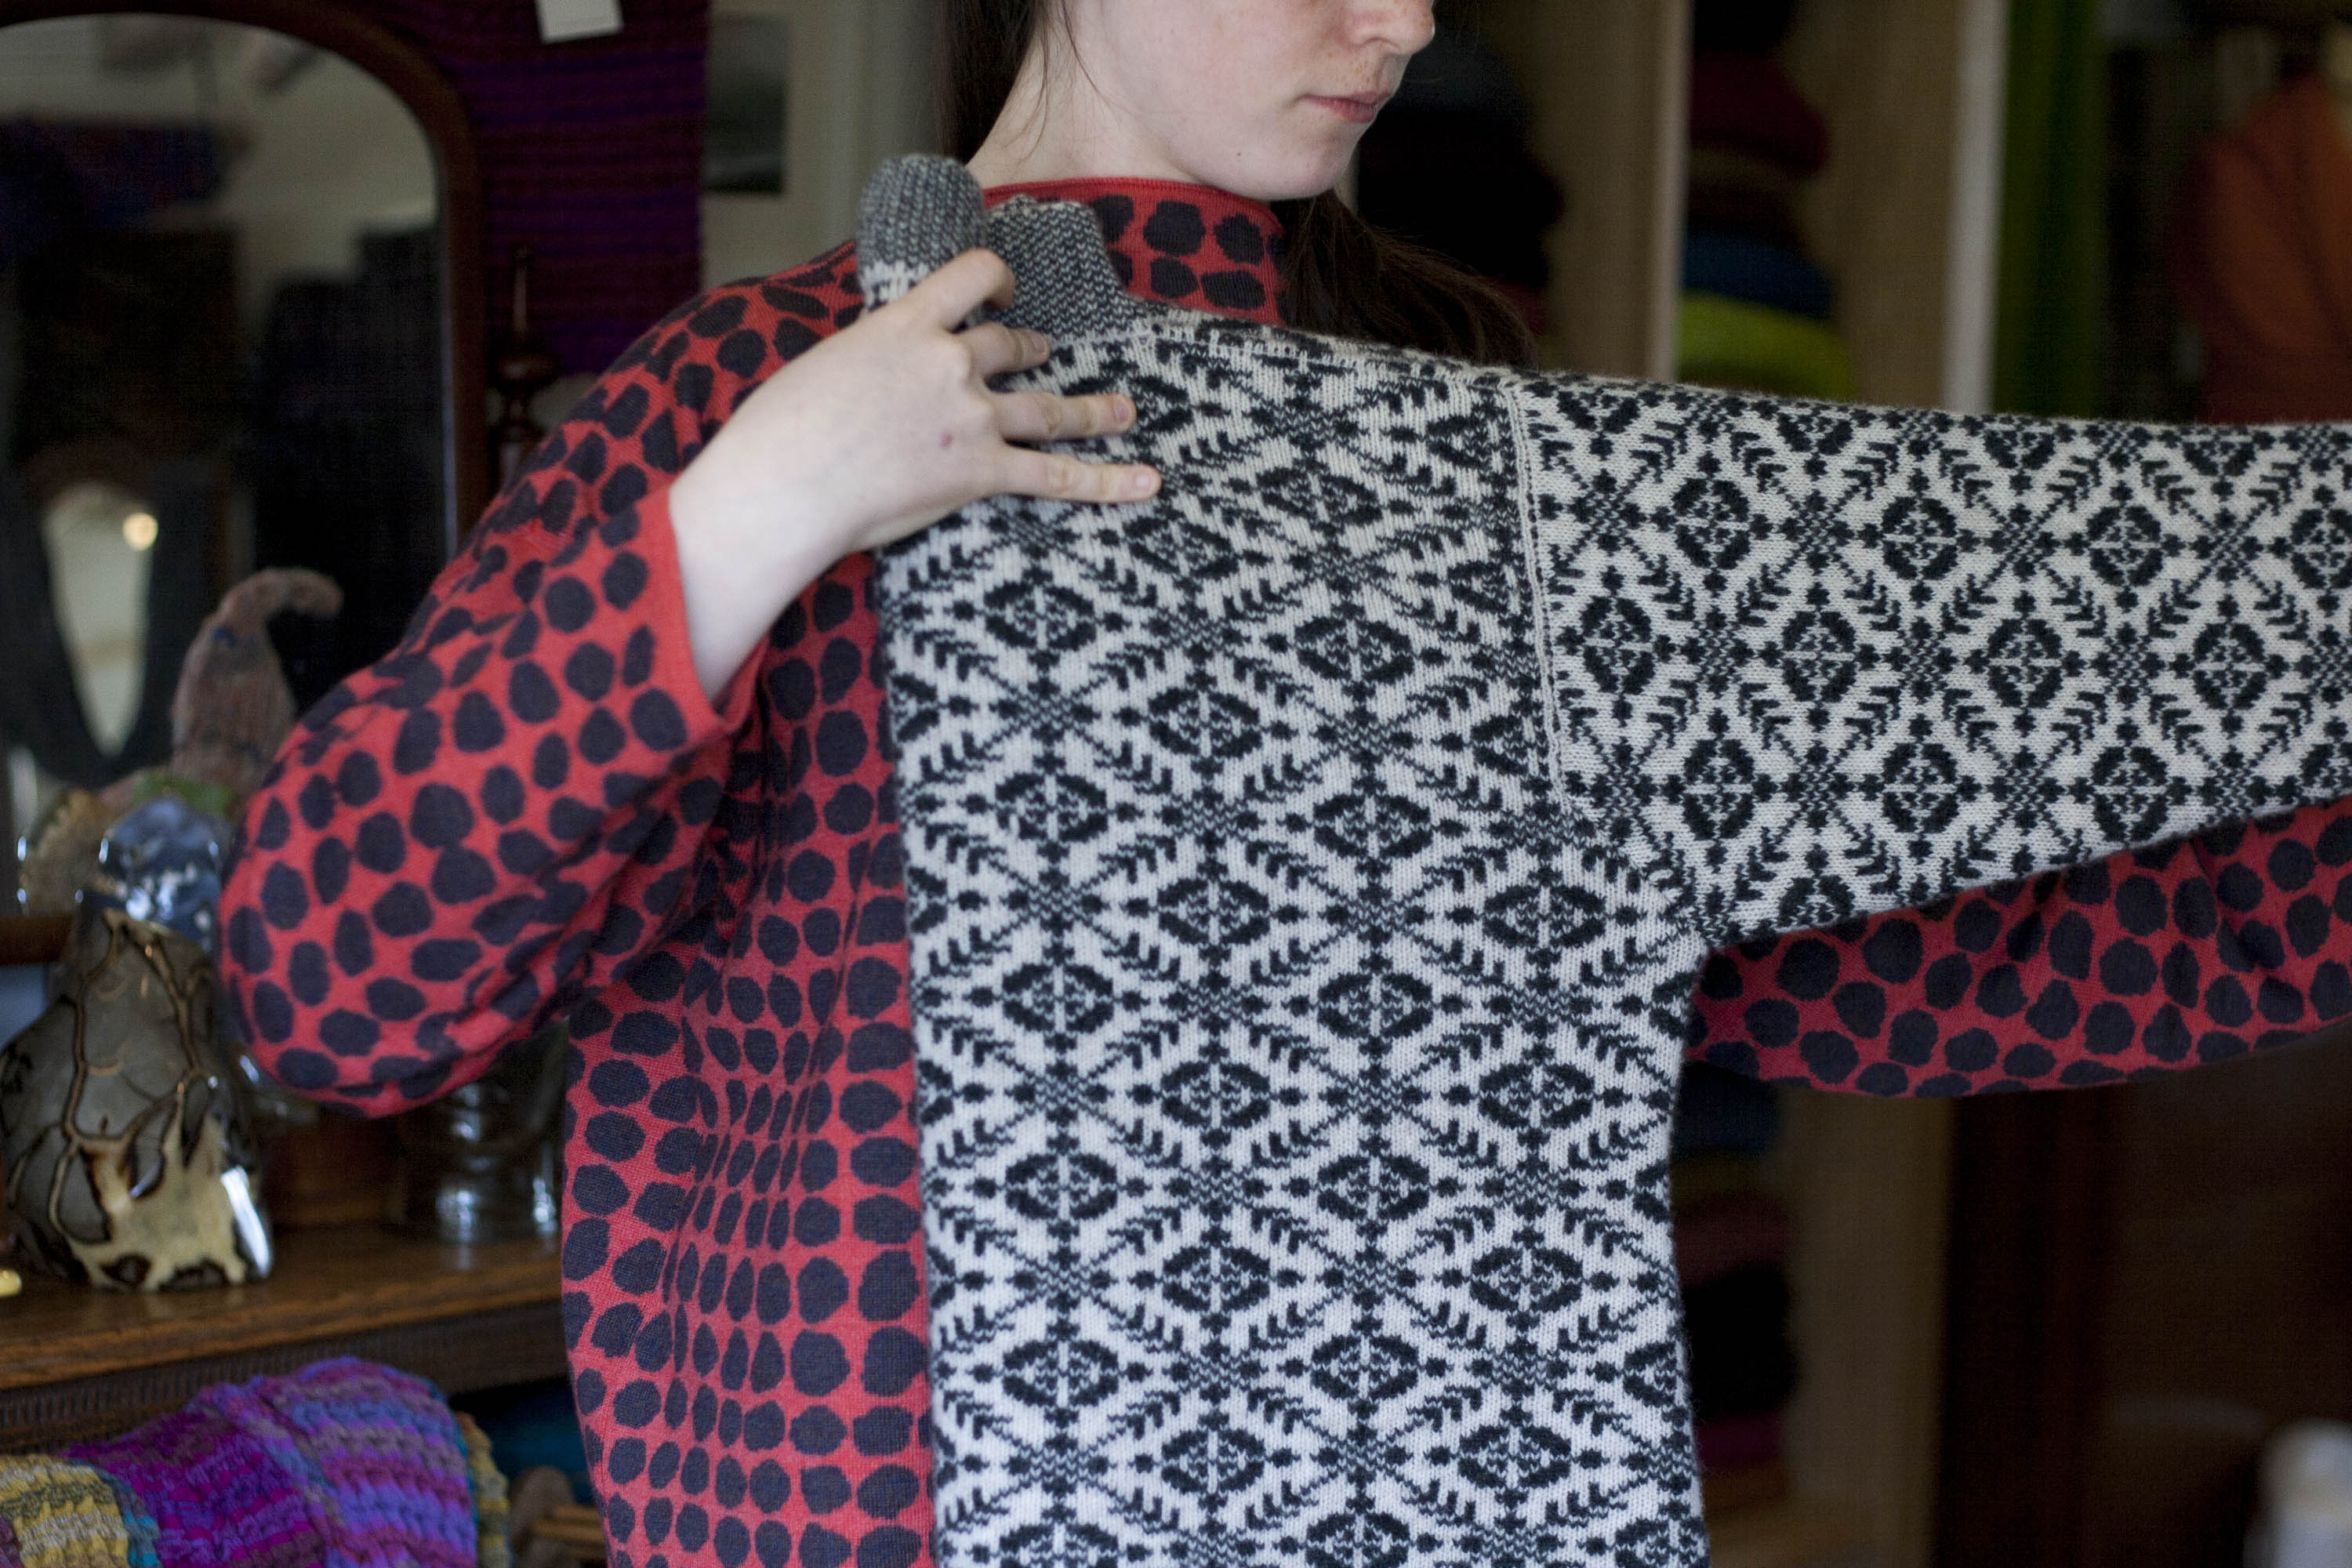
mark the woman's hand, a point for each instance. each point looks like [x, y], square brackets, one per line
[873, 434]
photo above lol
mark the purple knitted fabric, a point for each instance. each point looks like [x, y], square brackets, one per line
[344, 1463]
[219, 1497]
[8, 1558]
[383, 1450]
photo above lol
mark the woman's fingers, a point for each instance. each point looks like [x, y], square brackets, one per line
[948, 297]
[947, 300]
[1043, 416]
[1054, 477]
[999, 351]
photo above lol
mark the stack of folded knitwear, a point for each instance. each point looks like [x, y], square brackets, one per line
[1731, 1242]
[344, 1463]
[1756, 308]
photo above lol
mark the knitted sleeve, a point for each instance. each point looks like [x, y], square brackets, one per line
[508, 810]
[2143, 963]
[1809, 662]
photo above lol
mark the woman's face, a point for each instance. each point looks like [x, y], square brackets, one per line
[1262, 98]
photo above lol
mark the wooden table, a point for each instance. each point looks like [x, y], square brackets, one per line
[78, 1362]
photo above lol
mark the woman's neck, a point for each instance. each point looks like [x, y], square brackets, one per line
[1056, 125]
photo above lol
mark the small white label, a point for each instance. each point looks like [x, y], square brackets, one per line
[561, 20]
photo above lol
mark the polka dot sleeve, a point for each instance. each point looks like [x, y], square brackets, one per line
[509, 811]
[2140, 965]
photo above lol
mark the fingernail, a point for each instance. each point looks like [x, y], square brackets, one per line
[1143, 483]
[1122, 408]
[1040, 344]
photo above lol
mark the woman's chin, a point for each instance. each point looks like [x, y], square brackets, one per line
[1292, 179]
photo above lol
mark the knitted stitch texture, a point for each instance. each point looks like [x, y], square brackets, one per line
[143, 1547]
[743, 1296]
[1309, 872]
[64, 1515]
[740, 1150]
[377, 1452]
[218, 1497]
[344, 1463]
[9, 1556]
[493, 1522]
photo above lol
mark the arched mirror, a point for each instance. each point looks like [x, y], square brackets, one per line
[240, 326]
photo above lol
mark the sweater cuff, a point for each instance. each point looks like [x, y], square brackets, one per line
[673, 669]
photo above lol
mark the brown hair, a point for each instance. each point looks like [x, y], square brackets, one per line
[1339, 274]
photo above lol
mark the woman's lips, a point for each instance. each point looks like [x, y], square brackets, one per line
[1360, 110]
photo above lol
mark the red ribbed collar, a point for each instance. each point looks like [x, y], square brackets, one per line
[1182, 244]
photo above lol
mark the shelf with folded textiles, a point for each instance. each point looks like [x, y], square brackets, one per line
[78, 1362]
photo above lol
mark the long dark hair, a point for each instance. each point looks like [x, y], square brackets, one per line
[1339, 274]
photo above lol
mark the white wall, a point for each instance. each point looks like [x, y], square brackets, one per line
[860, 92]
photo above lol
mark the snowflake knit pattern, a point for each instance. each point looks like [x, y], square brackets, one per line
[731, 1226]
[531, 808]
[1309, 872]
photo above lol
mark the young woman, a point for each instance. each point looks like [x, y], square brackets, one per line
[631, 767]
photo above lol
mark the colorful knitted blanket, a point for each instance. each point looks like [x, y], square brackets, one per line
[344, 1463]
[1310, 870]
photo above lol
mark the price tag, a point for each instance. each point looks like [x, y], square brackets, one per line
[561, 20]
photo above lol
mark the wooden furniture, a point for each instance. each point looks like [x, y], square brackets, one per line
[571, 1529]
[2148, 1281]
[460, 217]
[346, 31]
[1816, 1534]
[77, 1362]
[34, 939]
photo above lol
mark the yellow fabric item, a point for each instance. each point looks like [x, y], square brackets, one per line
[64, 1514]
[1753, 348]
[493, 1545]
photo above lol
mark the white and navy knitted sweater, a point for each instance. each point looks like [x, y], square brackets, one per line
[1311, 868]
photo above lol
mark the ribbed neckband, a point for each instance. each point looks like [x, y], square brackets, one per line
[1180, 244]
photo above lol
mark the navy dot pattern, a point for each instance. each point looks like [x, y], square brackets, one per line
[530, 809]
[2196, 952]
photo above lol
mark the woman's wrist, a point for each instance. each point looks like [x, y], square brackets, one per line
[743, 554]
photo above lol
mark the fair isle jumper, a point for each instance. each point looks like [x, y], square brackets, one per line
[426, 875]
[1310, 871]
[742, 1197]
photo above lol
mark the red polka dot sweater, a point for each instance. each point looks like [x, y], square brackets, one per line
[531, 808]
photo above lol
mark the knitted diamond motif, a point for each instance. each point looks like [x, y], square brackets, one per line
[1311, 868]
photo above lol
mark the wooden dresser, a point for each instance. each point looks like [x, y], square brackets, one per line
[76, 1362]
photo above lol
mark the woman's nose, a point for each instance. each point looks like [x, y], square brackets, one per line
[1404, 26]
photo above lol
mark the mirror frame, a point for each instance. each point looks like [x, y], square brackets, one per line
[418, 83]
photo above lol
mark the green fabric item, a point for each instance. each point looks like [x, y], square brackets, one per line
[1732, 343]
[2050, 353]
